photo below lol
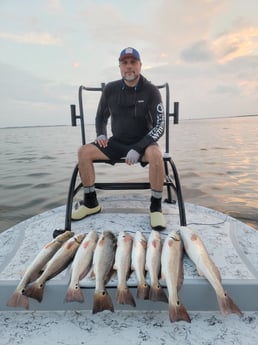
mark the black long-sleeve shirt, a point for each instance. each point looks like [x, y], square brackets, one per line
[137, 116]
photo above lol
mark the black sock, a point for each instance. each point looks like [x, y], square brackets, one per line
[155, 204]
[90, 199]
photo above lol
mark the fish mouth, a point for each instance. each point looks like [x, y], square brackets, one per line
[176, 236]
[77, 240]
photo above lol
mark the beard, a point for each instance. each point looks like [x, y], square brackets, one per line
[130, 77]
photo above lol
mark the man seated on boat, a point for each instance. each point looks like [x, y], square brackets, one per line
[137, 123]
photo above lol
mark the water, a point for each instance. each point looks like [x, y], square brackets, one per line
[216, 159]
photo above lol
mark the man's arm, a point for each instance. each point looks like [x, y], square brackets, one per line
[157, 116]
[102, 115]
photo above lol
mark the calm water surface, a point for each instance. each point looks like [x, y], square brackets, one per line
[216, 159]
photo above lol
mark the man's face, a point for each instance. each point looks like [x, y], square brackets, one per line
[130, 69]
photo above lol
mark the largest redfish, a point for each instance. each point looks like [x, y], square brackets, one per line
[18, 299]
[206, 267]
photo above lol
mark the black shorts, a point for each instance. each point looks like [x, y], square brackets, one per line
[116, 150]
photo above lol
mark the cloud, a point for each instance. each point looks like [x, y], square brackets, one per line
[40, 38]
[55, 6]
[227, 47]
[28, 100]
[231, 45]
[108, 25]
[23, 86]
[175, 25]
[205, 49]
[198, 52]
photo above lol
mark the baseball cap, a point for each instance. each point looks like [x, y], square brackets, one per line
[129, 52]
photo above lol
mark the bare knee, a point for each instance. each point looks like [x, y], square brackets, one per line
[153, 155]
[90, 152]
[85, 152]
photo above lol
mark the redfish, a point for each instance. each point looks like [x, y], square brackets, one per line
[103, 261]
[123, 267]
[153, 262]
[197, 252]
[138, 264]
[80, 267]
[57, 264]
[172, 272]
[18, 299]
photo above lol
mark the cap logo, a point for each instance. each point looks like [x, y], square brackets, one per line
[129, 51]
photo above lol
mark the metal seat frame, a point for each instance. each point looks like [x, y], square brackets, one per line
[171, 181]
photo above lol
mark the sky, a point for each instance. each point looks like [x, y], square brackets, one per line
[207, 50]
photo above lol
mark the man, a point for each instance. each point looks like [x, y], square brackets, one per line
[137, 122]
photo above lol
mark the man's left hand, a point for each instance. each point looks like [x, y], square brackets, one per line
[132, 157]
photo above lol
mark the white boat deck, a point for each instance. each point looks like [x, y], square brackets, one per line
[231, 244]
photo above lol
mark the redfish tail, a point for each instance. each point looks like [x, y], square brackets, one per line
[102, 301]
[227, 305]
[74, 295]
[18, 299]
[157, 294]
[124, 296]
[178, 313]
[143, 291]
[35, 291]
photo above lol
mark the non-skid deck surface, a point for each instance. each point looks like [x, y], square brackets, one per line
[231, 244]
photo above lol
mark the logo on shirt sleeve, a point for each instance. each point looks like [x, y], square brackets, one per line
[160, 108]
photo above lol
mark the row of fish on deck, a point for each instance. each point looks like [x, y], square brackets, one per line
[99, 255]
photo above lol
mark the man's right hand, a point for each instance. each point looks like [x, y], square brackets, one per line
[102, 140]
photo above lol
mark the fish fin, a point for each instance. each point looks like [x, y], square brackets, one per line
[124, 296]
[35, 291]
[109, 275]
[227, 305]
[102, 301]
[128, 274]
[74, 294]
[18, 299]
[178, 313]
[92, 275]
[199, 272]
[143, 291]
[157, 294]
[86, 271]
[35, 275]
[162, 276]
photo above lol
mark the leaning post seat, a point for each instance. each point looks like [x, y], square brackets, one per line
[171, 181]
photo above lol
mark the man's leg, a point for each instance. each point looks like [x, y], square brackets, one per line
[86, 155]
[154, 157]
